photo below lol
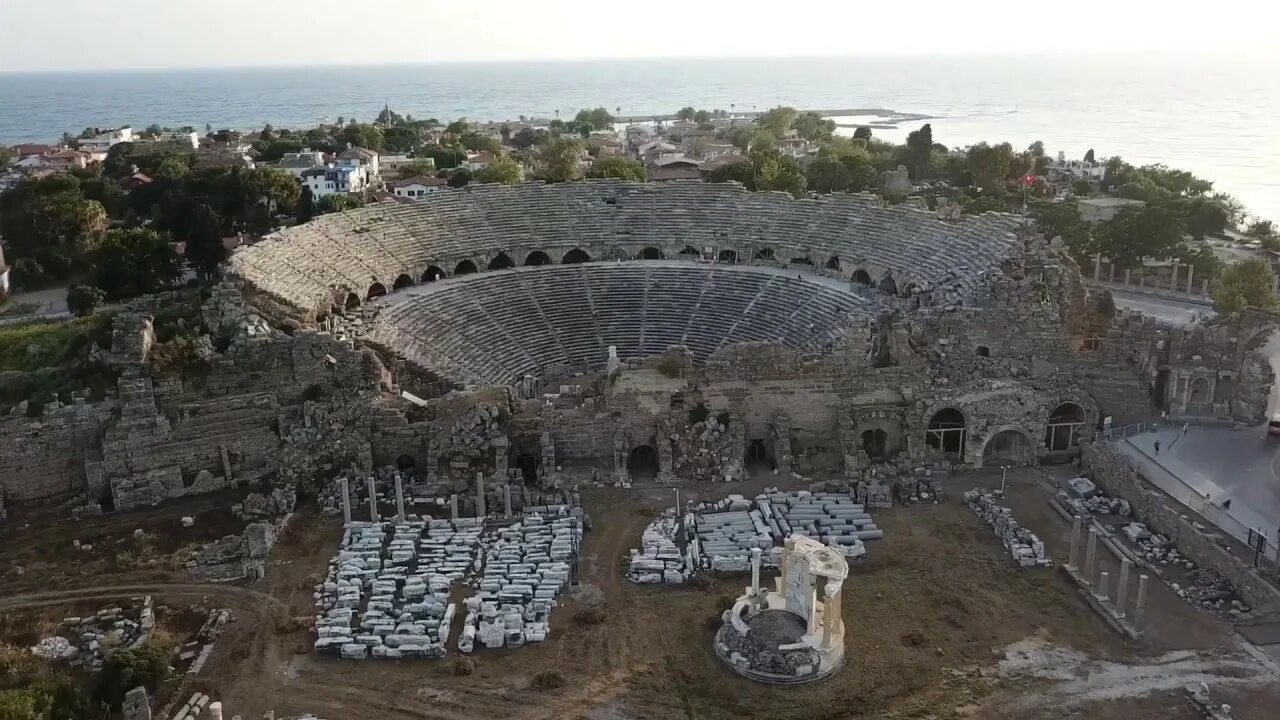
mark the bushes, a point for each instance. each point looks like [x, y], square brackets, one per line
[82, 300]
[547, 680]
[669, 367]
[39, 345]
[127, 669]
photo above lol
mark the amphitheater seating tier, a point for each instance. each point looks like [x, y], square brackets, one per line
[315, 265]
[495, 327]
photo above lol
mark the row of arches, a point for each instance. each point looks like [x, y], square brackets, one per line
[947, 431]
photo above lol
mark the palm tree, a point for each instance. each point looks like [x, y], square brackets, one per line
[732, 109]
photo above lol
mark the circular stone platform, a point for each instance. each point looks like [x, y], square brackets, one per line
[757, 655]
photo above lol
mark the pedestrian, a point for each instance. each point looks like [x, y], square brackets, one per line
[1164, 417]
[1157, 447]
[1185, 428]
[1226, 504]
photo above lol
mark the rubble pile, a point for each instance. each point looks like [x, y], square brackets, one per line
[660, 560]
[1211, 591]
[710, 451]
[1198, 693]
[256, 506]
[1156, 548]
[85, 641]
[1083, 498]
[1024, 547]
[387, 591]
[474, 434]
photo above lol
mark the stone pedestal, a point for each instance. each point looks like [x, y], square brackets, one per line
[373, 500]
[481, 511]
[346, 502]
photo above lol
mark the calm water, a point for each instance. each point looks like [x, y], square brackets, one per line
[1219, 118]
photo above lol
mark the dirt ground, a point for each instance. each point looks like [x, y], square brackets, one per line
[939, 624]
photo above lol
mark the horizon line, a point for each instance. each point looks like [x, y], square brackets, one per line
[1047, 53]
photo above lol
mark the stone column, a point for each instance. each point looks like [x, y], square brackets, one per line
[1073, 551]
[1103, 577]
[215, 711]
[1142, 280]
[400, 516]
[812, 591]
[830, 614]
[1127, 273]
[1122, 590]
[481, 511]
[1173, 281]
[453, 506]
[346, 502]
[755, 573]
[373, 500]
[1091, 554]
[1141, 602]
[1097, 267]
[1191, 273]
[506, 500]
[784, 569]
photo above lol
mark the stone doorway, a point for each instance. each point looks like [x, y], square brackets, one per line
[1007, 448]
[875, 444]
[528, 465]
[946, 431]
[758, 454]
[642, 463]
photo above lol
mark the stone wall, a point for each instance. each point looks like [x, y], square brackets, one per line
[1117, 477]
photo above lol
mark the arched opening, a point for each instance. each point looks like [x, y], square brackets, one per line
[376, 290]
[405, 462]
[528, 464]
[728, 256]
[800, 261]
[1199, 391]
[764, 253]
[353, 302]
[576, 255]
[758, 455]
[983, 351]
[888, 285]
[910, 290]
[833, 263]
[642, 463]
[537, 257]
[402, 281]
[946, 431]
[690, 250]
[861, 277]
[875, 443]
[1063, 430]
[651, 253]
[466, 267]
[432, 274]
[1008, 448]
[501, 261]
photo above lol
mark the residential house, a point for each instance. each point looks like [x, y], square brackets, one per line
[136, 180]
[336, 180]
[179, 140]
[104, 140]
[67, 160]
[479, 161]
[390, 164]
[1101, 209]
[299, 162]
[417, 187]
[362, 158]
[675, 167]
[1064, 172]
[712, 164]
[26, 150]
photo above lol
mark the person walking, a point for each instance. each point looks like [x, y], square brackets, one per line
[1164, 418]
[1226, 504]
[1157, 447]
[1185, 428]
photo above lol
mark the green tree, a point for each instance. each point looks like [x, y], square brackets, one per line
[460, 177]
[82, 300]
[701, 116]
[306, 208]
[560, 161]
[740, 136]
[130, 263]
[1261, 229]
[1081, 188]
[503, 171]
[775, 171]
[978, 204]
[617, 167]
[275, 190]
[742, 172]
[1248, 283]
[1138, 233]
[1088, 156]
[458, 127]
[124, 670]
[481, 143]
[400, 139]
[22, 704]
[445, 157]
[1062, 220]
[205, 251]
[862, 133]
[339, 203]
[813, 127]
[1204, 216]
[920, 150]
[424, 167]
[526, 138]
[686, 113]
[596, 119]
[366, 136]
[49, 223]
[777, 120]
[990, 165]
[6, 157]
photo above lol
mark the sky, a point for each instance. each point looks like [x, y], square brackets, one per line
[38, 35]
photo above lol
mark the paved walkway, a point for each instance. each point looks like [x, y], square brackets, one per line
[1218, 464]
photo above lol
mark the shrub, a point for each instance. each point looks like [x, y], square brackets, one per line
[463, 667]
[125, 670]
[82, 300]
[589, 615]
[548, 680]
[669, 367]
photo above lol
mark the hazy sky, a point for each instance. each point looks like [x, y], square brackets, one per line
[113, 34]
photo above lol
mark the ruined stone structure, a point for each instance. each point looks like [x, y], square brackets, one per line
[526, 327]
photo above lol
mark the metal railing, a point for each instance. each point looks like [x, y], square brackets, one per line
[1124, 431]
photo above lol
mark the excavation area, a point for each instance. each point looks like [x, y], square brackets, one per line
[940, 621]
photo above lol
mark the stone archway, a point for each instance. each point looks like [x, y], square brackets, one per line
[875, 443]
[537, 257]
[466, 267]
[728, 256]
[650, 253]
[642, 462]
[833, 263]
[576, 255]
[406, 462]
[402, 281]
[862, 277]
[432, 274]
[352, 302]
[947, 431]
[690, 250]
[501, 261]
[376, 290]
[764, 253]
[1007, 448]
[1062, 432]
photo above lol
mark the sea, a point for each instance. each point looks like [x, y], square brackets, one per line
[1218, 117]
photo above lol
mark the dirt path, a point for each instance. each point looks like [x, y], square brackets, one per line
[236, 597]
